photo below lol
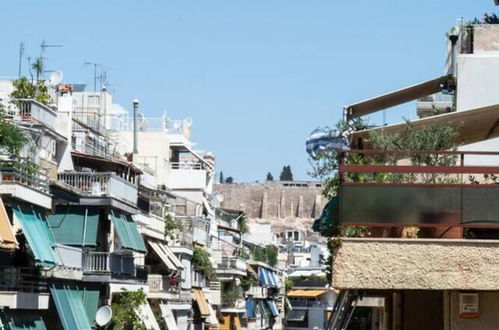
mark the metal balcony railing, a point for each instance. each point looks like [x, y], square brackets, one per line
[186, 166]
[26, 279]
[104, 184]
[235, 263]
[90, 118]
[24, 172]
[161, 283]
[32, 110]
[108, 262]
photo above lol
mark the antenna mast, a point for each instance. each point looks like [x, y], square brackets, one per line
[43, 48]
[21, 54]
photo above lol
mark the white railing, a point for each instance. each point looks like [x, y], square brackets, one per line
[100, 184]
[161, 283]
[108, 262]
[233, 263]
[186, 166]
[257, 291]
[30, 109]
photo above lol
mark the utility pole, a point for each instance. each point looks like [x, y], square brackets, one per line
[21, 54]
[135, 116]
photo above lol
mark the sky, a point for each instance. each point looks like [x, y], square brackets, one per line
[256, 76]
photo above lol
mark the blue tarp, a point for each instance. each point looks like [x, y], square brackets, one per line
[250, 308]
[273, 308]
[267, 277]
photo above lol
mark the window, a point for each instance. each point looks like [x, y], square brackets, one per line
[297, 235]
[93, 100]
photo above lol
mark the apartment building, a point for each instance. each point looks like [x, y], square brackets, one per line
[445, 278]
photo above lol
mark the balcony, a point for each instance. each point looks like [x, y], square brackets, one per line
[100, 185]
[23, 179]
[231, 266]
[23, 288]
[161, 287]
[187, 175]
[426, 188]
[99, 266]
[419, 264]
[434, 104]
[257, 292]
[311, 303]
[34, 111]
[89, 118]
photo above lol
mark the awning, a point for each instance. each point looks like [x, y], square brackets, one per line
[212, 319]
[25, 321]
[146, 314]
[296, 315]
[183, 147]
[251, 271]
[166, 255]
[250, 308]
[202, 302]
[263, 308]
[273, 308]
[70, 308]
[398, 97]
[168, 316]
[267, 277]
[471, 125]
[305, 293]
[37, 233]
[75, 225]
[7, 237]
[237, 322]
[127, 231]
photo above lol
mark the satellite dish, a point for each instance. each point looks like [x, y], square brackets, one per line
[187, 122]
[103, 315]
[55, 78]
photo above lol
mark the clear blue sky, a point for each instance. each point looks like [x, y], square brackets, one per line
[256, 76]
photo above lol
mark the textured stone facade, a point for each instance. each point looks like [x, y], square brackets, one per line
[425, 264]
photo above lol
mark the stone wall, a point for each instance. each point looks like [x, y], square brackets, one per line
[424, 264]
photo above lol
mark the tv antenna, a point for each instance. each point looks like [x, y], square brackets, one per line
[21, 54]
[102, 76]
[43, 49]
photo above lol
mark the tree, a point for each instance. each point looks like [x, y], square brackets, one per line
[124, 306]
[221, 177]
[286, 174]
[38, 67]
[229, 180]
[12, 139]
[270, 177]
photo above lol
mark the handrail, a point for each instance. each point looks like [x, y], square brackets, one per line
[25, 172]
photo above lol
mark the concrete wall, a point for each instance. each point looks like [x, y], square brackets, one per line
[438, 264]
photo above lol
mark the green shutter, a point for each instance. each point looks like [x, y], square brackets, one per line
[127, 231]
[70, 307]
[75, 225]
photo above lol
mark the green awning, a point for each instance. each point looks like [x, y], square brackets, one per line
[75, 306]
[22, 321]
[75, 225]
[37, 232]
[127, 231]
[328, 223]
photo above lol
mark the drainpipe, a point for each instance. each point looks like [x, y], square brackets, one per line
[453, 39]
[135, 110]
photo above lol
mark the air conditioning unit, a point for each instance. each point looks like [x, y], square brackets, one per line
[468, 305]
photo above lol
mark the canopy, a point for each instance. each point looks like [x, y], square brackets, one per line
[37, 233]
[71, 308]
[168, 316]
[202, 302]
[472, 126]
[7, 237]
[25, 321]
[267, 277]
[305, 293]
[273, 308]
[166, 255]
[146, 314]
[127, 231]
[75, 225]
[296, 315]
[251, 271]
[250, 308]
[398, 97]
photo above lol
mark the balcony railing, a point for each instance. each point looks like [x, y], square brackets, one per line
[24, 172]
[90, 118]
[186, 166]
[235, 263]
[311, 303]
[422, 188]
[26, 279]
[101, 148]
[31, 110]
[100, 185]
[161, 283]
[108, 262]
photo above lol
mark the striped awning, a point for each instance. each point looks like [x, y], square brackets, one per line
[28, 320]
[166, 255]
[7, 237]
[250, 308]
[273, 308]
[168, 316]
[70, 308]
[202, 302]
[146, 314]
[267, 277]
[305, 293]
[75, 225]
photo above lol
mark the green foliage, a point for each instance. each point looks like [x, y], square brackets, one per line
[172, 226]
[248, 281]
[12, 139]
[267, 254]
[229, 180]
[244, 254]
[230, 294]
[288, 284]
[25, 89]
[201, 263]
[124, 306]
[221, 177]
[242, 223]
[38, 67]
[270, 177]
[286, 174]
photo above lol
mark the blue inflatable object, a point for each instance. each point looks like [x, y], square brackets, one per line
[323, 140]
